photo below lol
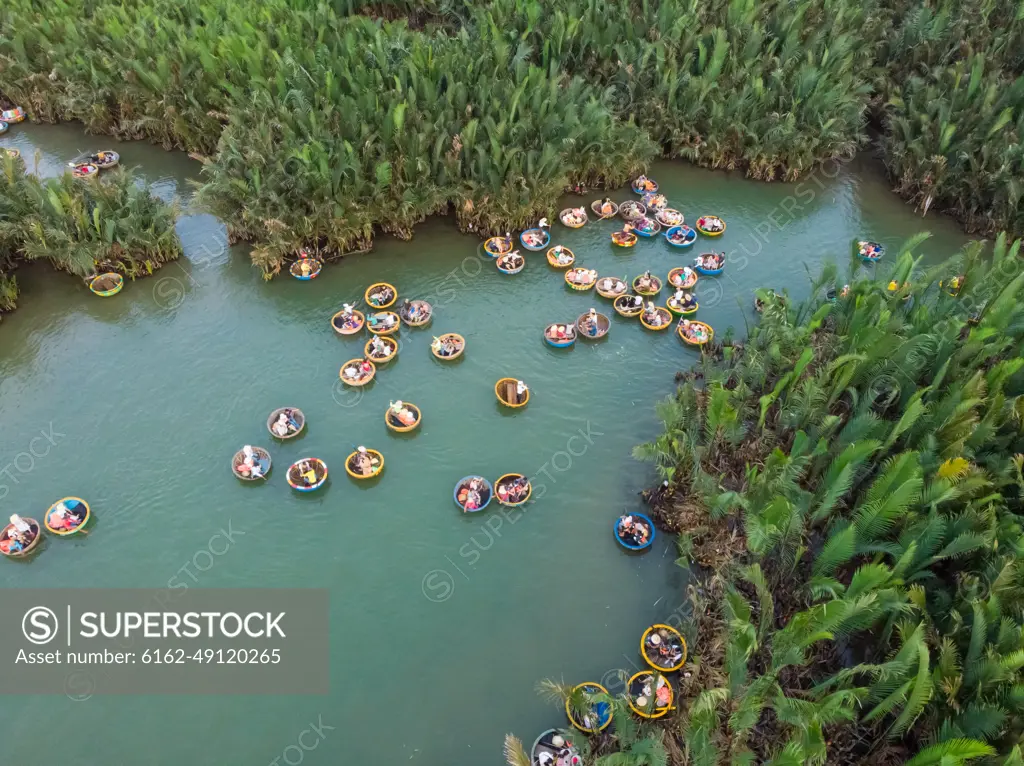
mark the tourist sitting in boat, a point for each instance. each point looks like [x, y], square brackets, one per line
[473, 495]
[534, 238]
[447, 347]
[405, 416]
[581, 276]
[562, 256]
[644, 183]
[664, 648]
[646, 282]
[644, 689]
[869, 249]
[62, 517]
[607, 207]
[711, 223]
[679, 236]
[381, 296]
[285, 424]
[688, 302]
[521, 390]
[561, 332]
[624, 236]
[646, 224]
[511, 261]
[362, 463]
[633, 531]
[575, 216]
[250, 466]
[695, 332]
[652, 316]
[305, 267]
[679, 278]
[513, 491]
[349, 321]
[383, 321]
[19, 536]
[378, 348]
[610, 284]
[307, 473]
[409, 310]
[634, 302]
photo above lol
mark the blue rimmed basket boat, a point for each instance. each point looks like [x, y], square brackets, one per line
[545, 234]
[464, 483]
[688, 232]
[634, 546]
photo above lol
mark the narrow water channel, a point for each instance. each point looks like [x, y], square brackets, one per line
[441, 623]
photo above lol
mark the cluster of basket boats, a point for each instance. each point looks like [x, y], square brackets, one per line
[24, 536]
[649, 694]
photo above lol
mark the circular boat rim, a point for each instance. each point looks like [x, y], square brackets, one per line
[598, 689]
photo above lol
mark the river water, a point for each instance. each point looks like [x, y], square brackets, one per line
[441, 623]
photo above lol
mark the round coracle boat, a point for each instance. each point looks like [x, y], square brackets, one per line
[3, 128]
[472, 493]
[628, 305]
[561, 257]
[710, 225]
[657, 319]
[631, 211]
[649, 694]
[364, 463]
[17, 544]
[647, 284]
[85, 171]
[604, 208]
[574, 218]
[870, 251]
[348, 321]
[13, 115]
[286, 422]
[381, 295]
[552, 748]
[681, 308]
[634, 531]
[600, 713]
[644, 185]
[695, 333]
[357, 372]
[716, 261]
[415, 313]
[508, 392]
[403, 416]
[560, 335]
[683, 277]
[581, 278]
[383, 323]
[681, 236]
[448, 347]
[592, 325]
[106, 285]
[611, 287]
[251, 463]
[654, 201]
[67, 516]
[535, 239]
[646, 227]
[306, 268]
[513, 489]
[669, 216]
[663, 648]
[624, 238]
[308, 474]
[381, 350]
[105, 160]
[496, 246]
[512, 263]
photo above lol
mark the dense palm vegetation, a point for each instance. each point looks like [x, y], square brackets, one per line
[320, 121]
[81, 227]
[850, 481]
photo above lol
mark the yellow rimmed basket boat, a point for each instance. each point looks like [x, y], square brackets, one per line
[505, 390]
[611, 287]
[652, 289]
[624, 308]
[580, 278]
[678, 309]
[369, 468]
[502, 484]
[680, 279]
[553, 254]
[663, 314]
[437, 347]
[624, 238]
[381, 295]
[709, 220]
[106, 285]
[598, 207]
[348, 324]
[708, 329]
[392, 421]
[584, 326]
[424, 313]
[496, 246]
[37, 536]
[375, 323]
[390, 352]
[601, 713]
[243, 472]
[645, 706]
[78, 515]
[666, 643]
[295, 421]
[566, 217]
[359, 377]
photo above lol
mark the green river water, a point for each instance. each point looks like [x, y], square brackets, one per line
[441, 623]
